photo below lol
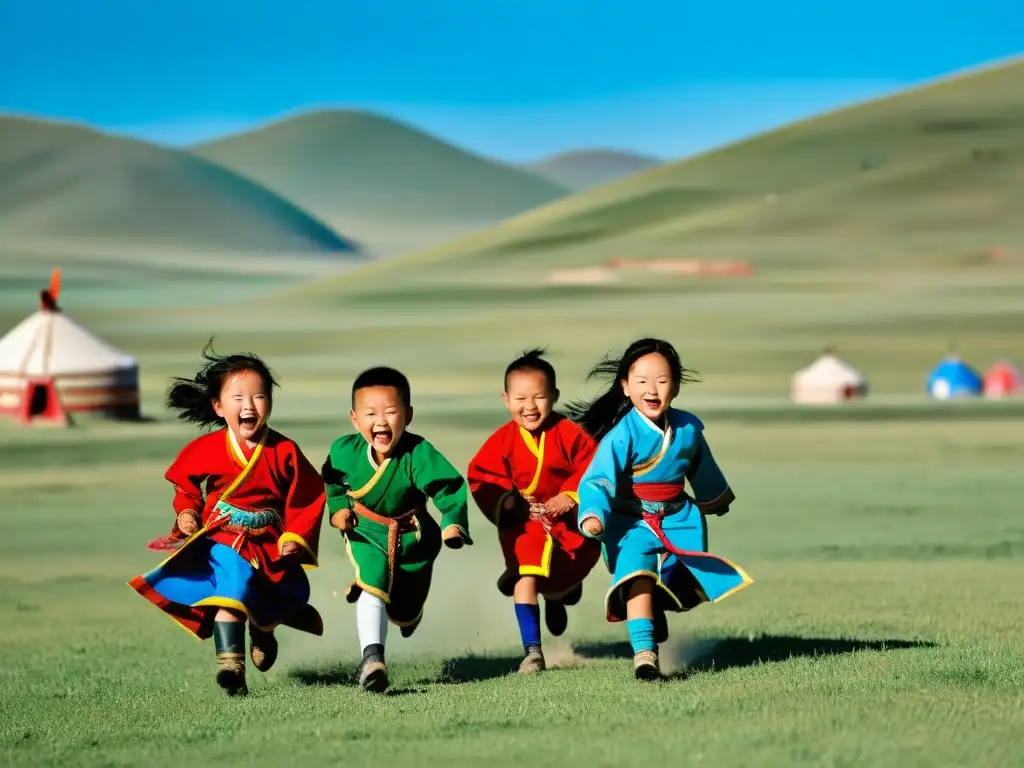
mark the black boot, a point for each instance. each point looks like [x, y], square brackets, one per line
[229, 641]
[555, 616]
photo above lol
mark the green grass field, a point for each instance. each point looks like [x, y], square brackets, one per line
[883, 626]
[885, 538]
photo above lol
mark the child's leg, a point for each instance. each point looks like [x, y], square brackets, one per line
[372, 626]
[229, 642]
[640, 625]
[640, 614]
[528, 617]
[262, 648]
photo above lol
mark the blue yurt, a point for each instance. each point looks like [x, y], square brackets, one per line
[954, 378]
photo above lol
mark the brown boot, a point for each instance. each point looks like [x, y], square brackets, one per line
[231, 675]
[645, 665]
[533, 662]
[262, 648]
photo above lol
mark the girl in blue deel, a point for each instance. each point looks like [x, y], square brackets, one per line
[633, 498]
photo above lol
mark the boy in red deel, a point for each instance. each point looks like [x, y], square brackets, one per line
[524, 479]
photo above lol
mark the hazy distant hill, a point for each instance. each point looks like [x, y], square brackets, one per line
[64, 181]
[348, 166]
[928, 177]
[588, 168]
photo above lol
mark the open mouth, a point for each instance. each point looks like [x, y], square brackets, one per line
[531, 418]
[652, 402]
[249, 422]
[382, 438]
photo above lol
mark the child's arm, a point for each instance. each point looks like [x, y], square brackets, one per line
[711, 490]
[597, 487]
[303, 509]
[336, 488]
[441, 482]
[490, 481]
[187, 476]
[580, 450]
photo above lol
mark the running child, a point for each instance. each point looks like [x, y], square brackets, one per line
[633, 498]
[524, 479]
[248, 508]
[378, 481]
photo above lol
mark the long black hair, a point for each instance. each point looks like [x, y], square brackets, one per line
[193, 398]
[598, 416]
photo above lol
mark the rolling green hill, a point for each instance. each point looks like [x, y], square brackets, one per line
[365, 172]
[925, 178]
[868, 230]
[67, 183]
[583, 169]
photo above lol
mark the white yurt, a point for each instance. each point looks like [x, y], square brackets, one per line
[828, 379]
[51, 368]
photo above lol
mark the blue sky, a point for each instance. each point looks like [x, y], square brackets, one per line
[509, 79]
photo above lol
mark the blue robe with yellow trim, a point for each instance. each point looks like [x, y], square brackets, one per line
[638, 459]
[250, 501]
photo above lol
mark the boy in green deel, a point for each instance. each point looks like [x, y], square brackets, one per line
[378, 482]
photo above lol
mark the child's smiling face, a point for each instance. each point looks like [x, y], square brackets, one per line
[381, 416]
[650, 386]
[529, 398]
[244, 403]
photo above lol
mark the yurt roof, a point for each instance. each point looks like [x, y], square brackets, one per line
[953, 365]
[1005, 365]
[49, 343]
[828, 368]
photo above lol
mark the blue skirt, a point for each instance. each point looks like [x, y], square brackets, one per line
[632, 548]
[207, 576]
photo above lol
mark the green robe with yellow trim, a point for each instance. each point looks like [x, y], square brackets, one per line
[395, 540]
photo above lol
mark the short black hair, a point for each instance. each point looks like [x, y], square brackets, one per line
[533, 360]
[382, 376]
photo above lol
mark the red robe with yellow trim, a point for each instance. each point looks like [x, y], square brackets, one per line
[282, 480]
[515, 462]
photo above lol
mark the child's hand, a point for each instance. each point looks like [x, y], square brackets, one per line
[593, 526]
[289, 548]
[558, 505]
[452, 537]
[188, 522]
[343, 520]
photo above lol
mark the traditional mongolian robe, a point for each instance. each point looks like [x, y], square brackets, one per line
[636, 487]
[395, 541]
[250, 501]
[514, 462]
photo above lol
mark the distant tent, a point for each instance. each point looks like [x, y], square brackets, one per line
[954, 378]
[1003, 379]
[52, 368]
[828, 380]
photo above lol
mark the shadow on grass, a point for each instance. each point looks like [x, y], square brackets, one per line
[345, 676]
[717, 654]
[473, 669]
[468, 669]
